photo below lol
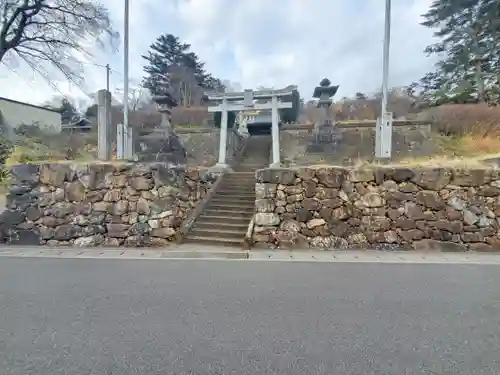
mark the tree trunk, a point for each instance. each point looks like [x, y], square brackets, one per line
[3, 51]
[481, 94]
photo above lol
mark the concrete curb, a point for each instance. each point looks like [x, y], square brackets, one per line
[130, 253]
[373, 256]
[219, 253]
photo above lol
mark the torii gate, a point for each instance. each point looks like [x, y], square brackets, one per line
[244, 101]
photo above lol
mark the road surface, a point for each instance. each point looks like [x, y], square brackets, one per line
[86, 316]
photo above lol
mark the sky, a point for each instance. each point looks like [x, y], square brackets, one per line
[256, 43]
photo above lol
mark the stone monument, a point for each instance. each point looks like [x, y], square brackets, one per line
[162, 143]
[242, 122]
[325, 134]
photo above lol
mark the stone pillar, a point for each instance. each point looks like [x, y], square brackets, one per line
[103, 125]
[276, 163]
[223, 136]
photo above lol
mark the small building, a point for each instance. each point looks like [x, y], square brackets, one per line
[14, 114]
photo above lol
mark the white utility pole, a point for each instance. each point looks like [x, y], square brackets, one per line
[125, 137]
[383, 139]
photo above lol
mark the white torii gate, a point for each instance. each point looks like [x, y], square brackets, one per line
[244, 101]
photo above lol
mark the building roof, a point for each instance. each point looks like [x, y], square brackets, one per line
[29, 105]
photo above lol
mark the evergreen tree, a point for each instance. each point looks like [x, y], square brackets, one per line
[469, 34]
[91, 111]
[166, 57]
[68, 111]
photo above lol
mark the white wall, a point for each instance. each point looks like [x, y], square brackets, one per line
[15, 114]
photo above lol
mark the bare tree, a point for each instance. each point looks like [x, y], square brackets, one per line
[184, 87]
[46, 33]
[139, 98]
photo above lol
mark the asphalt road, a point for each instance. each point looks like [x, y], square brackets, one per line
[103, 317]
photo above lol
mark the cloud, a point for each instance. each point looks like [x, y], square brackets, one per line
[261, 42]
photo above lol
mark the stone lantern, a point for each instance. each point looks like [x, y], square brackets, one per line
[325, 132]
[324, 92]
[162, 143]
[165, 104]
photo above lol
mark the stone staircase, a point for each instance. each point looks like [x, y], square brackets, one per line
[225, 219]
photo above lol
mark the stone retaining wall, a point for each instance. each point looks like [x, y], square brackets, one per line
[203, 146]
[100, 204]
[384, 208]
[355, 144]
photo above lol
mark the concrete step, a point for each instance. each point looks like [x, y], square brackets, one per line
[250, 168]
[245, 194]
[239, 181]
[222, 203]
[235, 194]
[219, 233]
[237, 174]
[233, 200]
[243, 189]
[244, 176]
[249, 208]
[236, 198]
[240, 174]
[246, 214]
[239, 226]
[252, 165]
[223, 219]
[230, 242]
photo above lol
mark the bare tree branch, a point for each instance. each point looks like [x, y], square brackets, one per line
[48, 33]
[184, 86]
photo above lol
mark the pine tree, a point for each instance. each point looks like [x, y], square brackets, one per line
[468, 33]
[68, 111]
[166, 57]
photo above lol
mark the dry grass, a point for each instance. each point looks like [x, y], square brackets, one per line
[470, 145]
[33, 144]
[463, 119]
[444, 162]
[468, 151]
[431, 162]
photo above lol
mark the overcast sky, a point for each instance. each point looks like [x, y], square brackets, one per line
[261, 42]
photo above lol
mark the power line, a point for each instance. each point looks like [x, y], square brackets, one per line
[101, 66]
[55, 88]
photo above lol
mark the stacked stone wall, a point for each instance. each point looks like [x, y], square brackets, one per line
[379, 208]
[101, 204]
